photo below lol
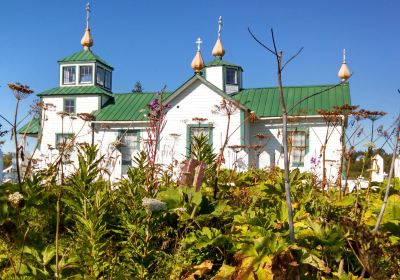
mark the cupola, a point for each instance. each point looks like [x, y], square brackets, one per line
[223, 74]
[85, 68]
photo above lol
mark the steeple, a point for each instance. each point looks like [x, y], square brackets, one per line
[344, 73]
[87, 40]
[218, 50]
[197, 62]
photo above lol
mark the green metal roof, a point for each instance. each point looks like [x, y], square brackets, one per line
[265, 102]
[219, 62]
[75, 90]
[32, 127]
[84, 56]
[127, 107]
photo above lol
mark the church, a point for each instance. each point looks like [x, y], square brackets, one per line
[83, 108]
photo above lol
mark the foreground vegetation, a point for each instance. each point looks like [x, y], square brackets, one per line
[84, 228]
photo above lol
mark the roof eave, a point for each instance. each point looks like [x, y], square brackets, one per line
[209, 85]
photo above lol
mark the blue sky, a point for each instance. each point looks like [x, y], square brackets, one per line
[153, 42]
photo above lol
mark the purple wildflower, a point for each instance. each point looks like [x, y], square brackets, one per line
[315, 160]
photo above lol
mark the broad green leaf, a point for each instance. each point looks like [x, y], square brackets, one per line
[172, 197]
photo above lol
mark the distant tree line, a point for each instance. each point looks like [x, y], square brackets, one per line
[361, 163]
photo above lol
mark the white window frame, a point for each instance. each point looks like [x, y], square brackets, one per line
[299, 147]
[63, 74]
[64, 105]
[80, 78]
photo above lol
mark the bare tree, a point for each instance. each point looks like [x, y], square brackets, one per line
[280, 67]
[396, 146]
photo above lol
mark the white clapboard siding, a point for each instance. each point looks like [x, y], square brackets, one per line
[106, 137]
[197, 101]
[271, 149]
[54, 124]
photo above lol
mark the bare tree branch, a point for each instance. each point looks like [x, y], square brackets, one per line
[273, 41]
[262, 44]
[6, 120]
[293, 57]
[314, 94]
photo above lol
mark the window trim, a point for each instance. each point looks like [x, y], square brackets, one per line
[236, 76]
[138, 133]
[64, 104]
[188, 142]
[69, 98]
[63, 76]
[307, 145]
[103, 76]
[80, 72]
[59, 135]
[105, 80]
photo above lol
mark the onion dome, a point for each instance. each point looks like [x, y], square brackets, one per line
[218, 50]
[87, 40]
[197, 62]
[344, 73]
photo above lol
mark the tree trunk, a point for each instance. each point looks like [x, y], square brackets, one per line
[285, 150]
[379, 220]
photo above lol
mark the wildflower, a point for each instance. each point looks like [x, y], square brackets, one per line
[115, 187]
[154, 105]
[198, 119]
[252, 117]
[179, 209]
[154, 205]
[16, 200]
[87, 117]
[20, 91]
[315, 160]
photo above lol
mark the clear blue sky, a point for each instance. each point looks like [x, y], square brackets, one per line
[153, 42]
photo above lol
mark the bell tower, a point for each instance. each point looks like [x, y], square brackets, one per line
[223, 74]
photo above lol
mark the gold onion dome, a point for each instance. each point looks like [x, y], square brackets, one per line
[87, 40]
[218, 50]
[344, 72]
[197, 62]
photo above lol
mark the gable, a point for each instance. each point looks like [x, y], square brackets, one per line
[198, 78]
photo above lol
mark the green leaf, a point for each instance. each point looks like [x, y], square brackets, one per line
[48, 253]
[196, 198]
[173, 197]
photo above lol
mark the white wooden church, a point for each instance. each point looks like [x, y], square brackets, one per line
[85, 86]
